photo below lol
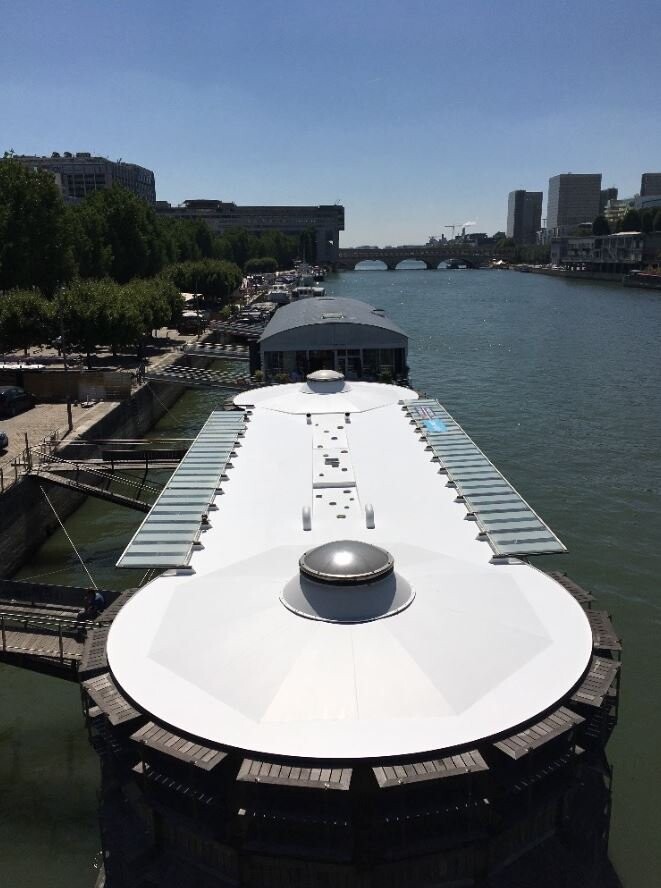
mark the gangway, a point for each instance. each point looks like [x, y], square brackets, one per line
[89, 489]
[218, 351]
[192, 376]
[40, 630]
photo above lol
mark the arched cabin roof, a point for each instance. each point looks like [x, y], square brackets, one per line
[366, 325]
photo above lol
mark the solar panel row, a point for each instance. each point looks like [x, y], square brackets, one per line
[511, 526]
[166, 537]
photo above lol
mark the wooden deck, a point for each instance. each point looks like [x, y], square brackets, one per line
[537, 735]
[436, 769]
[162, 740]
[109, 699]
[255, 771]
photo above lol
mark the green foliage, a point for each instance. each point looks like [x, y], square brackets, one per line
[630, 222]
[264, 264]
[26, 319]
[647, 221]
[121, 228]
[113, 234]
[34, 234]
[600, 226]
[214, 278]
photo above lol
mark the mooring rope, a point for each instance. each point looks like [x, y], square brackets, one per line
[69, 538]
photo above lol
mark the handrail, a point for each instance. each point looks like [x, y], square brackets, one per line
[55, 623]
[49, 620]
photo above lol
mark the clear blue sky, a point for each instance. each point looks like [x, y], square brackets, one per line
[413, 114]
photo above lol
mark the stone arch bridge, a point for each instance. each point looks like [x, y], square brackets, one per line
[432, 256]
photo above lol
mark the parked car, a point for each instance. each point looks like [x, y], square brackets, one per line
[14, 400]
[4, 440]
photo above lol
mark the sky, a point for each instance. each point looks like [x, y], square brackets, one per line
[414, 114]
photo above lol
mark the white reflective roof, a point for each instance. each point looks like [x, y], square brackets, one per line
[480, 648]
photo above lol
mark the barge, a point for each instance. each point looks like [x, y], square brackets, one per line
[348, 672]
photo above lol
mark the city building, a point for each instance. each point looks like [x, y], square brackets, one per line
[80, 174]
[328, 333]
[524, 215]
[616, 210]
[573, 198]
[325, 221]
[606, 195]
[650, 184]
[618, 253]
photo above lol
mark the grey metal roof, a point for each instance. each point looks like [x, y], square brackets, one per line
[511, 526]
[327, 310]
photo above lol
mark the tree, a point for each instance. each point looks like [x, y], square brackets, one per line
[630, 222]
[35, 249]
[647, 221]
[92, 252]
[657, 221]
[600, 226]
[26, 319]
[83, 309]
[214, 278]
[129, 228]
[264, 264]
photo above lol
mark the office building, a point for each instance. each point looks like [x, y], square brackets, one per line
[607, 194]
[81, 174]
[650, 184]
[325, 221]
[573, 198]
[524, 215]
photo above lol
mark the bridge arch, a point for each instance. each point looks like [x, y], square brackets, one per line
[420, 264]
[369, 265]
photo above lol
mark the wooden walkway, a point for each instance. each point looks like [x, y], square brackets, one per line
[42, 639]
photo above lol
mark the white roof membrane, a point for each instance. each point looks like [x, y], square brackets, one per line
[453, 650]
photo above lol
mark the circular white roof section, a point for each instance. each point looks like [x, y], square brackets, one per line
[325, 396]
[477, 651]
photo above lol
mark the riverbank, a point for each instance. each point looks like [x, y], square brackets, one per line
[653, 282]
[26, 517]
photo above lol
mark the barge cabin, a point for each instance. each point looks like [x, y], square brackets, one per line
[332, 333]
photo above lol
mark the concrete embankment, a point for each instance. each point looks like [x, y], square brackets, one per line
[26, 519]
[648, 282]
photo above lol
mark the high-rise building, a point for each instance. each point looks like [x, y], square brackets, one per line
[78, 175]
[606, 195]
[650, 184]
[524, 215]
[573, 198]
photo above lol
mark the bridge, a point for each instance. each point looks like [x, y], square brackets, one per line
[431, 254]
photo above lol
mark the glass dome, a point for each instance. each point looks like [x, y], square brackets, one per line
[346, 562]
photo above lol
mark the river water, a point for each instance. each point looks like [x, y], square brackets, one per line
[559, 382]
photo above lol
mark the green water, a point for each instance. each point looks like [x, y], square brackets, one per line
[559, 382]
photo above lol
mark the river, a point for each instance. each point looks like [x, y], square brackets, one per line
[559, 382]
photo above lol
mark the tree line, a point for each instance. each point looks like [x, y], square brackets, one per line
[111, 234]
[647, 221]
[85, 314]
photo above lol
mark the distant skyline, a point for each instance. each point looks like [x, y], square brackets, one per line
[414, 115]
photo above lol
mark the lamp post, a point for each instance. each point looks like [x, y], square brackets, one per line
[66, 373]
